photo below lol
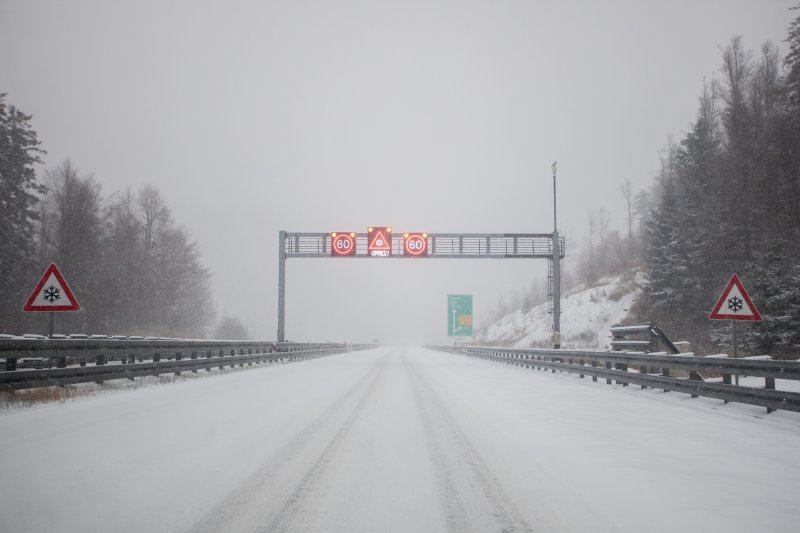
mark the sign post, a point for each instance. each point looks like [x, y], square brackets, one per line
[52, 295]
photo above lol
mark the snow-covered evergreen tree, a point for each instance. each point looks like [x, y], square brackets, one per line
[19, 152]
[776, 288]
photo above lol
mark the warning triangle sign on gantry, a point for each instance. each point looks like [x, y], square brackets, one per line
[379, 242]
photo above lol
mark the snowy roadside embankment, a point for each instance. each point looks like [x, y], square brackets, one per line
[586, 317]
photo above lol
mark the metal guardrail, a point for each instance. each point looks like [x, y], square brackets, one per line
[640, 337]
[661, 371]
[42, 362]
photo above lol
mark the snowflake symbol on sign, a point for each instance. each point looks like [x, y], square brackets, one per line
[735, 304]
[51, 294]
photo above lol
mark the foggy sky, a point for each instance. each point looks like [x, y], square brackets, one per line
[443, 116]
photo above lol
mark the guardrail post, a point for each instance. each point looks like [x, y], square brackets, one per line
[61, 361]
[11, 364]
[695, 376]
[769, 384]
[726, 379]
[594, 365]
[608, 367]
[653, 337]
[100, 360]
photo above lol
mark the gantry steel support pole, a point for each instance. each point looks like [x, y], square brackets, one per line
[556, 290]
[556, 272]
[281, 285]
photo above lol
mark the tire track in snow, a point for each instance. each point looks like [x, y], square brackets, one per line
[293, 507]
[260, 504]
[471, 495]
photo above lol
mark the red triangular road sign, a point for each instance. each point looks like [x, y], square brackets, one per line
[52, 294]
[735, 304]
[379, 242]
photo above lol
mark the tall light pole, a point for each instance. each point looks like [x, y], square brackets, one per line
[555, 207]
[556, 272]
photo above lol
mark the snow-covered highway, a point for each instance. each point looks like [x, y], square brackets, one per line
[397, 439]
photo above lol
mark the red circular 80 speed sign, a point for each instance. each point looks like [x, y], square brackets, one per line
[343, 244]
[415, 244]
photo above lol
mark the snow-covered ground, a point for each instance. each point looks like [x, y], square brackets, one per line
[397, 439]
[586, 317]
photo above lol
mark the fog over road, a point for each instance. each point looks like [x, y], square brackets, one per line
[397, 439]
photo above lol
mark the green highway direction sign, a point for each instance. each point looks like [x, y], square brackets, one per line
[459, 315]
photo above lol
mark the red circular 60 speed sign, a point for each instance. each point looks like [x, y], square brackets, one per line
[415, 244]
[343, 244]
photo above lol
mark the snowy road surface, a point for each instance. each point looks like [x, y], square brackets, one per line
[397, 439]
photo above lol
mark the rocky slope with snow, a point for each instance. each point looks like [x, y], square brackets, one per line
[586, 316]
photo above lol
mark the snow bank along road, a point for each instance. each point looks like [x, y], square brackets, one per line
[397, 439]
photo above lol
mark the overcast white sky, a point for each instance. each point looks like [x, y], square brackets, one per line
[443, 116]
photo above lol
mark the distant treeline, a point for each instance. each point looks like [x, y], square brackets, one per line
[132, 268]
[727, 200]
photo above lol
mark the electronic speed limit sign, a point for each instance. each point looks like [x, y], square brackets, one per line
[415, 244]
[343, 244]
